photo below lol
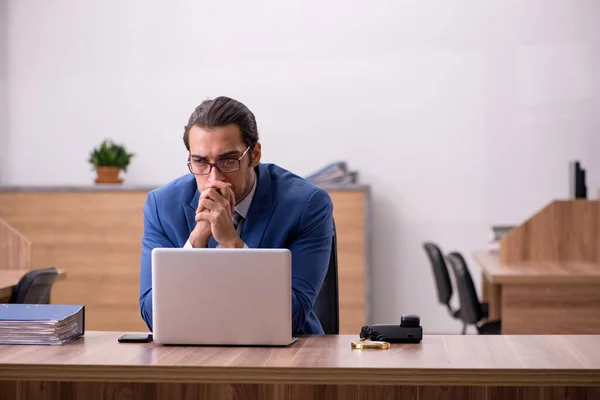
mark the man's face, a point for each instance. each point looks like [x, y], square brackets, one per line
[224, 143]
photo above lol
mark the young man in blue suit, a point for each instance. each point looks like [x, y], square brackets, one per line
[232, 200]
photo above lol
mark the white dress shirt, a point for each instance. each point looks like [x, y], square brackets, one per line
[242, 208]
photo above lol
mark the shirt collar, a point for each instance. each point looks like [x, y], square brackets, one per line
[243, 206]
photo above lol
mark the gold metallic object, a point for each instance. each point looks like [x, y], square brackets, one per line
[368, 344]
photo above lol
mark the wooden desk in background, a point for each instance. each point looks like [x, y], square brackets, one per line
[10, 278]
[541, 297]
[315, 367]
[95, 233]
[545, 278]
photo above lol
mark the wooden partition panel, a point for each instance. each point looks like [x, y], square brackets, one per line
[564, 230]
[554, 309]
[15, 249]
[95, 236]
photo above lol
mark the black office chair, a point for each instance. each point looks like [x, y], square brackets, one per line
[34, 287]
[443, 282]
[442, 277]
[327, 305]
[471, 310]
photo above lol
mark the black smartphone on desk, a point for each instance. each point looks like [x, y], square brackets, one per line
[135, 338]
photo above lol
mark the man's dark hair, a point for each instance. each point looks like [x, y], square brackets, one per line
[220, 112]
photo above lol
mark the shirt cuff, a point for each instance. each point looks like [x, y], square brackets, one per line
[188, 245]
[245, 246]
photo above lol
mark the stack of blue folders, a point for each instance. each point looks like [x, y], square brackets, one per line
[46, 324]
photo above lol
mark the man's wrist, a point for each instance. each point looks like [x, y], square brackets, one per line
[198, 243]
[236, 243]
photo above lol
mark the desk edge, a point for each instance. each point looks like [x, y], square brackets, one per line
[291, 375]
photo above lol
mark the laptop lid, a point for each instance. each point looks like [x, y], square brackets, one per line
[222, 296]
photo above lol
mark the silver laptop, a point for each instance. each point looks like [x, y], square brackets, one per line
[222, 296]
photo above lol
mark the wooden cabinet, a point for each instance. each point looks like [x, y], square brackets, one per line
[94, 234]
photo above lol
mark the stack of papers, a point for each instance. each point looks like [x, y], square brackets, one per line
[46, 324]
[496, 233]
[499, 231]
[336, 173]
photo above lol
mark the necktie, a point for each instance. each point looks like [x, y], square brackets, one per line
[238, 222]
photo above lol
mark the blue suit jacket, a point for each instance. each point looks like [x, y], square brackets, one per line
[286, 212]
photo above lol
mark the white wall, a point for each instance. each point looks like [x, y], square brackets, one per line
[460, 114]
[3, 102]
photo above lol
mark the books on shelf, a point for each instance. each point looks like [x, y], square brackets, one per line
[336, 173]
[45, 324]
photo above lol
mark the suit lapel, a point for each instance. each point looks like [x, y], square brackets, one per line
[260, 210]
[212, 243]
[190, 210]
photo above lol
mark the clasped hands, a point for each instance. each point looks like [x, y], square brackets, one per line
[213, 217]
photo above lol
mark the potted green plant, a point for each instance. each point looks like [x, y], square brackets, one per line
[109, 159]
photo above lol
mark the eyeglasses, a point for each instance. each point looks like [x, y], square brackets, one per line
[224, 165]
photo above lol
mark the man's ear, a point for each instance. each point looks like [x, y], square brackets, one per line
[256, 154]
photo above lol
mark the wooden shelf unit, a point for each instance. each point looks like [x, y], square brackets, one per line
[95, 235]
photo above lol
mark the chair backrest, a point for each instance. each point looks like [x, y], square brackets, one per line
[327, 305]
[34, 287]
[470, 307]
[440, 272]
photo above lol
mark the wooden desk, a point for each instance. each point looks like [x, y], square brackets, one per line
[441, 367]
[10, 278]
[542, 297]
